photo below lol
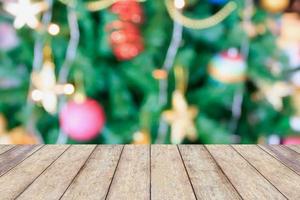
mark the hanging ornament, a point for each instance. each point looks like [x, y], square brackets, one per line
[295, 6]
[289, 42]
[8, 37]
[17, 135]
[274, 6]
[295, 119]
[181, 117]
[291, 140]
[218, 2]
[25, 12]
[271, 139]
[3, 124]
[128, 10]
[295, 123]
[273, 93]
[82, 120]
[125, 37]
[45, 87]
[141, 137]
[228, 67]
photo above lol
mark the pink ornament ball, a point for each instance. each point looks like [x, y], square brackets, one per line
[291, 140]
[82, 121]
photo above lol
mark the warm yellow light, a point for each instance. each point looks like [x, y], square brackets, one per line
[53, 29]
[69, 89]
[179, 4]
[79, 97]
[159, 74]
[36, 95]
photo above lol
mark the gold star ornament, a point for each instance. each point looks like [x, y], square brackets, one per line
[274, 93]
[25, 12]
[181, 119]
[181, 116]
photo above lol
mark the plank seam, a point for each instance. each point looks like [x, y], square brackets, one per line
[150, 184]
[42, 172]
[290, 149]
[188, 176]
[41, 146]
[219, 166]
[258, 171]
[280, 161]
[8, 150]
[108, 190]
[79, 171]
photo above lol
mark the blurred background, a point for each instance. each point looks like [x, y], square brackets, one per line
[151, 71]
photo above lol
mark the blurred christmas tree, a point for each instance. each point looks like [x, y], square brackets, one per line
[172, 71]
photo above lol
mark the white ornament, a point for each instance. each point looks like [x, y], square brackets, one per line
[295, 123]
[25, 12]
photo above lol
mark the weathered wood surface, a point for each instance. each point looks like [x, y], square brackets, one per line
[149, 172]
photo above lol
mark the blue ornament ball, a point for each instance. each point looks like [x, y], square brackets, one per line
[218, 2]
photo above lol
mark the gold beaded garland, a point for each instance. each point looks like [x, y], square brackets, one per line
[208, 22]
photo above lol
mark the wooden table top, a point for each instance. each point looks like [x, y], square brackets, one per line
[149, 172]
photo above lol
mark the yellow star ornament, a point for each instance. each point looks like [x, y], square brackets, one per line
[25, 12]
[181, 119]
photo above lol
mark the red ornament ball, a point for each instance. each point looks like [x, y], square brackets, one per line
[125, 40]
[129, 10]
[82, 121]
[127, 51]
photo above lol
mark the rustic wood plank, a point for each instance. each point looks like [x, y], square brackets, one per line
[52, 183]
[294, 147]
[169, 179]
[95, 177]
[207, 178]
[4, 148]
[284, 179]
[247, 181]
[16, 180]
[11, 158]
[285, 155]
[132, 176]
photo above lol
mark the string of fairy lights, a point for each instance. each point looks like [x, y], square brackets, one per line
[50, 91]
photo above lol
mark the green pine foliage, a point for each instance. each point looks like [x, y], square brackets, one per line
[127, 90]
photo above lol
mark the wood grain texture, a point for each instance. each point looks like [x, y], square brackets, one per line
[285, 155]
[132, 176]
[159, 172]
[12, 157]
[53, 182]
[169, 179]
[248, 182]
[284, 179]
[294, 147]
[200, 164]
[17, 179]
[4, 148]
[95, 177]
